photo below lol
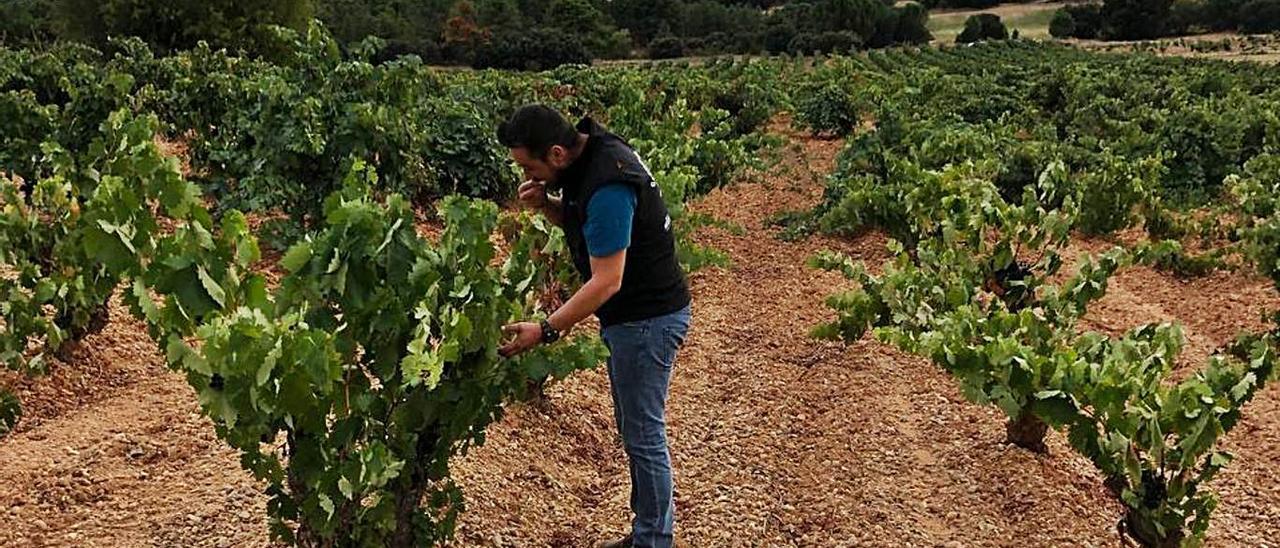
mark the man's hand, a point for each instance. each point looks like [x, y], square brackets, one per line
[533, 194]
[527, 335]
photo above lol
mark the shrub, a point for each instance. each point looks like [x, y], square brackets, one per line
[1260, 16]
[804, 44]
[1135, 19]
[537, 49]
[838, 42]
[778, 37]
[983, 26]
[1087, 19]
[912, 24]
[1063, 24]
[666, 47]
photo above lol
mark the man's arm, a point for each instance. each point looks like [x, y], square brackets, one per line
[606, 280]
[608, 235]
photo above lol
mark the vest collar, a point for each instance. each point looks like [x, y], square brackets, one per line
[571, 177]
[589, 126]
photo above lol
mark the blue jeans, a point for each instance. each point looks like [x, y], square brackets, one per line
[641, 355]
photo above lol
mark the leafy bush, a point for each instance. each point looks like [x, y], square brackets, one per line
[912, 24]
[666, 47]
[778, 37]
[961, 4]
[171, 26]
[1110, 191]
[1135, 19]
[842, 42]
[1260, 16]
[77, 234]
[536, 49]
[1077, 21]
[804, 44]
[827, 103]
[1063, 25]
[983, 26]
[373, 364]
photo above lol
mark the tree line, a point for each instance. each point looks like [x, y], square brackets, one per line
[1147, 19]
[515, 34]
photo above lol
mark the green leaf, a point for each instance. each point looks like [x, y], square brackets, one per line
[10, 411]
[211, 287]
[1244, 387]
[344, 486]
[219, 406]
[327, 505]
[123, 232]
[1055, 408]
[150, 312]
[297, 257]
[268, 364]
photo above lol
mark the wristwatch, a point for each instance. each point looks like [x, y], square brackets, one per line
[549, 334]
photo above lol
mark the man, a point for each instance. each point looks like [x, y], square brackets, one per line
[619, 235]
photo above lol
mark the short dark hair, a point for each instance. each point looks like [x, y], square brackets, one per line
[537, 128]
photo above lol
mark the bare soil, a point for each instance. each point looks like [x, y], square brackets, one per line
[778, 439]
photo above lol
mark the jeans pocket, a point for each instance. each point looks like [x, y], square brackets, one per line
[677, 326]
[620, 333]
[668, 342]
[675, 334]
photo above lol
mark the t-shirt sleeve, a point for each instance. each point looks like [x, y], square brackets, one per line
[609, 216]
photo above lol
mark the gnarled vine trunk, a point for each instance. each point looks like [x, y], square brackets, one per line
[415, 479]
[1145, 533]
[1027, 432]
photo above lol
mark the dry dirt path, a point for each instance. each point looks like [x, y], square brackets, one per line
[778, 440]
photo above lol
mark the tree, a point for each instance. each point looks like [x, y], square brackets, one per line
[1224, 14]
[1260, 16]
[912, 24]
[666, 47]
[581, 18]
[805, 17]
[983, 26]
[1063, 25]
[463, 25]
[411, 25]
[462, 32]
[1086, 20]
[778, 36]
[707, 17]
[24, 20]
[1135, 19]
[536, 49]
[180, 24]
[856, 16]
[497, 14]
[645, 18]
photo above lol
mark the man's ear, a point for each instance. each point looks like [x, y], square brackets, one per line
[558, 156]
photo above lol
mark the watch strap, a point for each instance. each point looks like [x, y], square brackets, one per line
[549, 334]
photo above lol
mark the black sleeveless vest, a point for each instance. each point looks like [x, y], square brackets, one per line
[652, 282]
